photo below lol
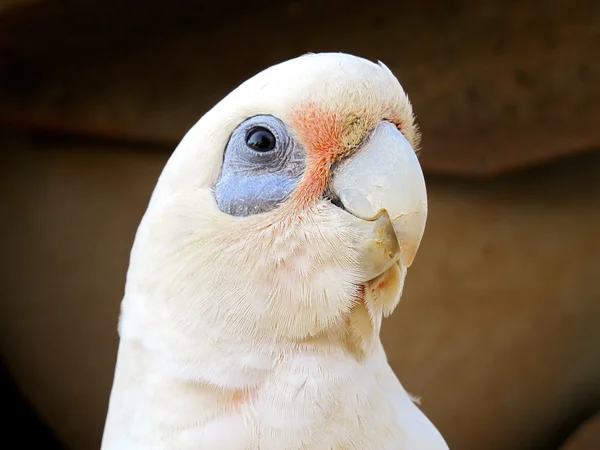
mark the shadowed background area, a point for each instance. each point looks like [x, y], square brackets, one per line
[498, 331]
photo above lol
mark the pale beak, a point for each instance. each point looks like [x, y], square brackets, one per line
[383, 187]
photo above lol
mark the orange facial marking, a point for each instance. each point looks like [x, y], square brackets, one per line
[321, 132]
[328, 135]
[396, 121]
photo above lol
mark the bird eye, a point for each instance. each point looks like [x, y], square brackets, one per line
[260, 139]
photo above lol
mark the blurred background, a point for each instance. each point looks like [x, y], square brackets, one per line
[498, 331]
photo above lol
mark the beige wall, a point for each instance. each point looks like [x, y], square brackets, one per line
[498, 331]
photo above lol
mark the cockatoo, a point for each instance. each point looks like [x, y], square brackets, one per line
[276, 239]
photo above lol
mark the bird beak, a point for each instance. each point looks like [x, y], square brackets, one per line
[383, 188]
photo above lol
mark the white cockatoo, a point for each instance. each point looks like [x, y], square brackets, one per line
[277, 238]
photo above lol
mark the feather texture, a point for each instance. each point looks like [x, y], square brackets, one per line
[260, 332]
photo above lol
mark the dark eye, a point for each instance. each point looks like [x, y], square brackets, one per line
[260, 139]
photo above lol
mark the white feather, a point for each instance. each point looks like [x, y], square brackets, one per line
[246, 333]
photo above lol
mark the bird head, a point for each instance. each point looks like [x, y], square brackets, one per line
[290, 211]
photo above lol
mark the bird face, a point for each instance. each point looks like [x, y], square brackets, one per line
[293, 200]
[377, 180]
